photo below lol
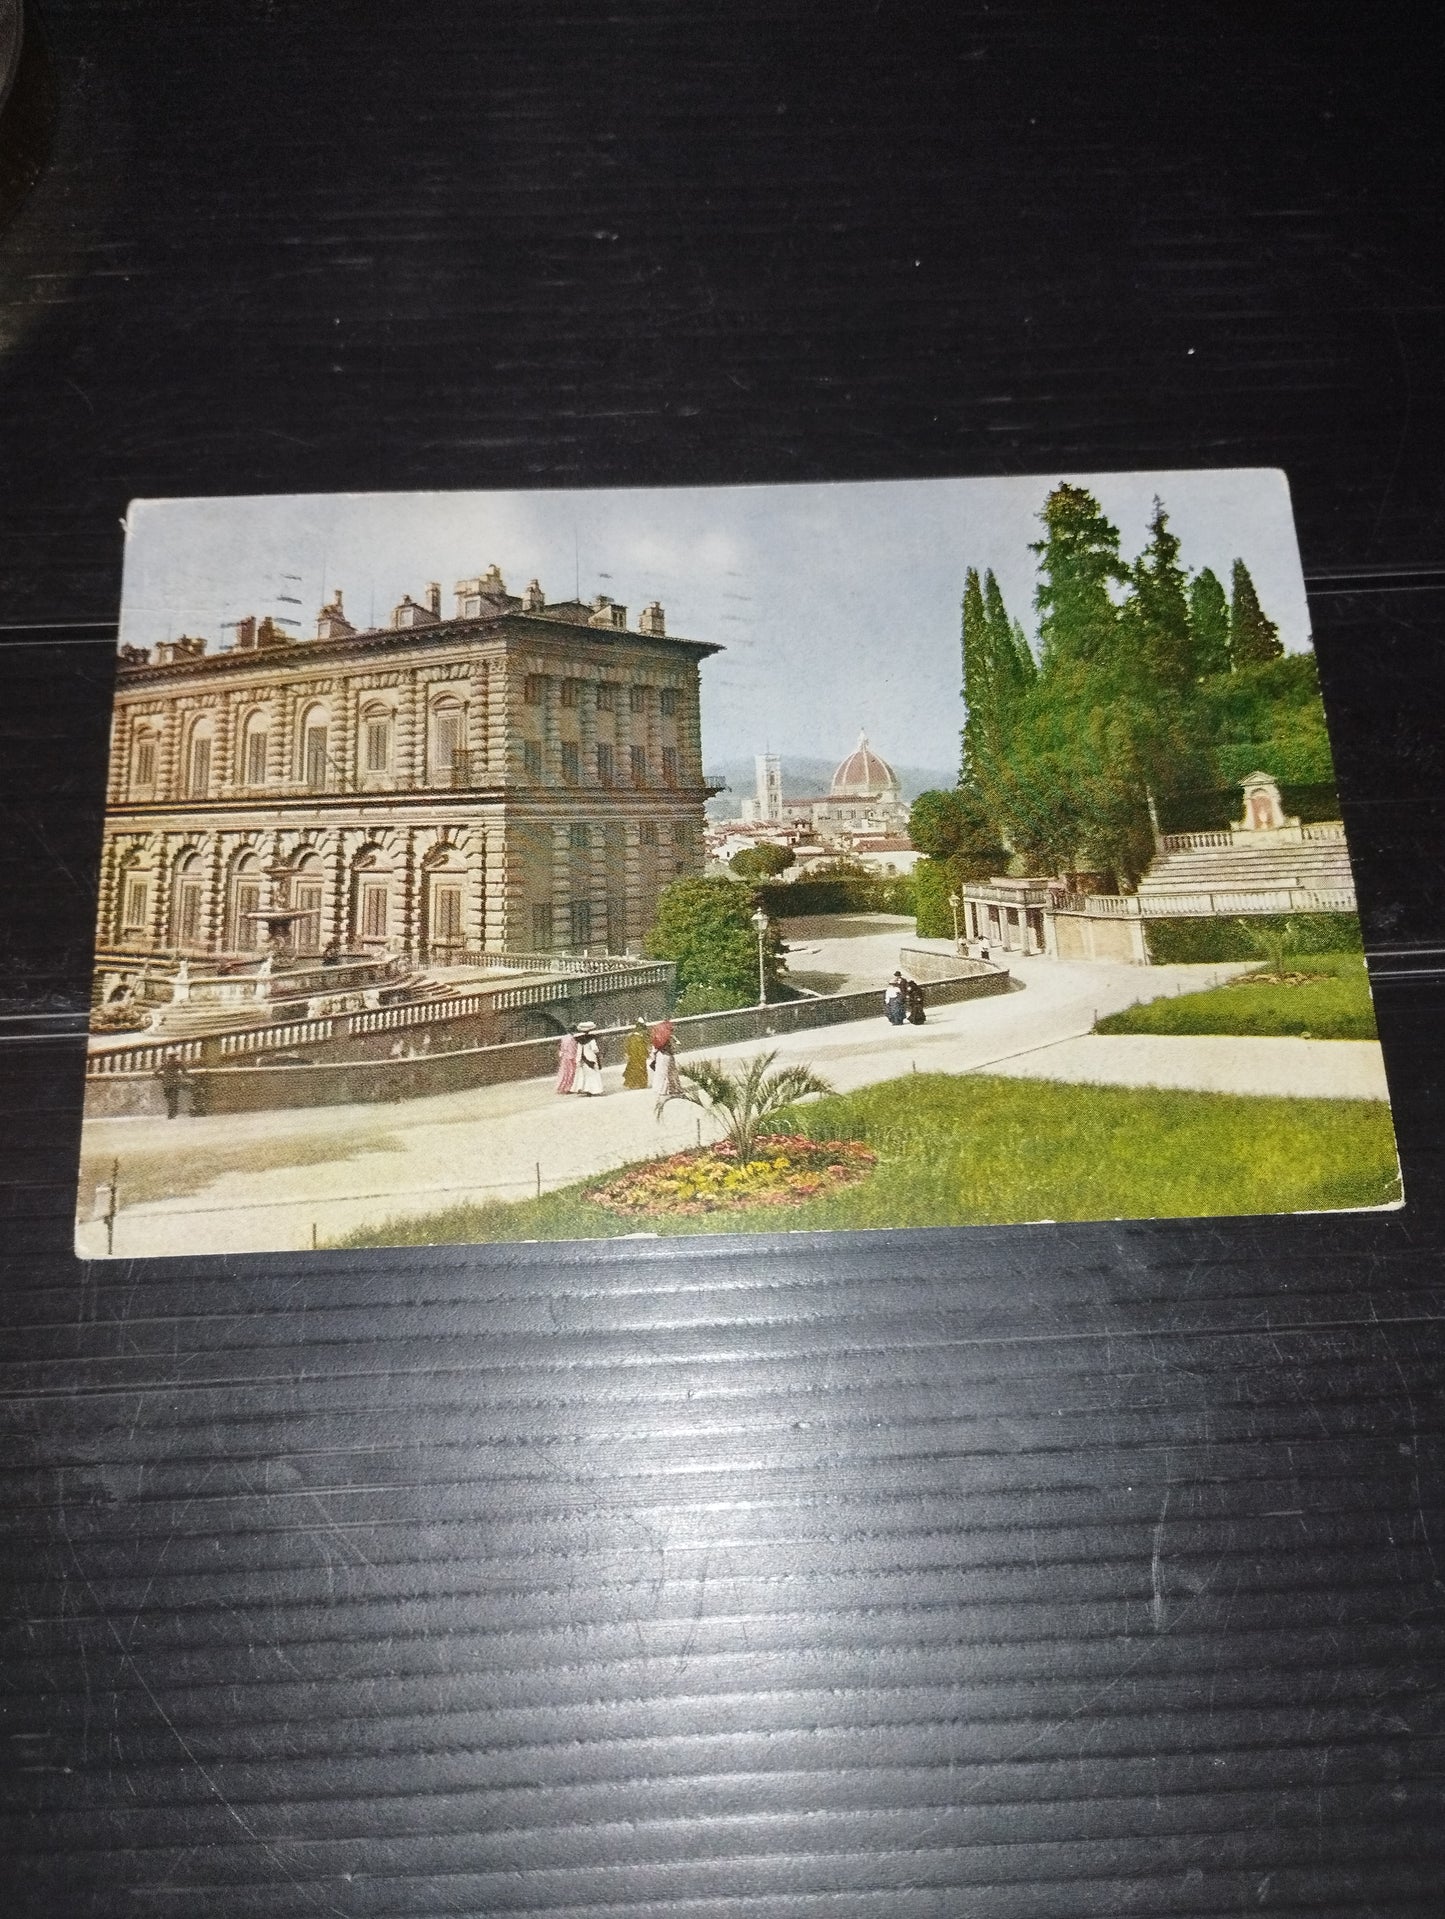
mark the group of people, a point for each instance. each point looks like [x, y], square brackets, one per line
[648, 1060]
[903, 1001]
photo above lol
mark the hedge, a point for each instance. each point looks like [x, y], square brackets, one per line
[804, 898]
[1192, 941]
[1219, 807]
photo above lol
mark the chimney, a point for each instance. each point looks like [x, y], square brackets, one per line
[652, 621]
[533, 600]
[246, 634]
[434, 596]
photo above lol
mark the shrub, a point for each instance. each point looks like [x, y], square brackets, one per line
[705, 925]
[874, 893]
[1194, 941]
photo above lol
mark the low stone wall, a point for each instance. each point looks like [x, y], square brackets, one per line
[257, 1087]
[926, 965]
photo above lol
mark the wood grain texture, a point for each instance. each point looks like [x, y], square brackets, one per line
[1054, 1571]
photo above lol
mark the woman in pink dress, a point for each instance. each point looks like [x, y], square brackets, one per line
[566, 1062]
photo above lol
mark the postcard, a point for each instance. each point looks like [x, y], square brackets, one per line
[504, 867]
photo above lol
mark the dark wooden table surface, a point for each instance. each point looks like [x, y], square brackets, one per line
[1055, 1571]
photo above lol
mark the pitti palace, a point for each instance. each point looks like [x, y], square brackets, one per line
[516, 776]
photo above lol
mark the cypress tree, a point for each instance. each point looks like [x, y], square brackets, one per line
[1253, 638]
[1078, 561]
[1154, 622]
[977, 691]
[1209, 624]
[1011, 662]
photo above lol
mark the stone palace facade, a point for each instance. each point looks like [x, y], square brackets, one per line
[516, 776]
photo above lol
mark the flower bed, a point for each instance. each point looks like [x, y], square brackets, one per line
[785, 1170]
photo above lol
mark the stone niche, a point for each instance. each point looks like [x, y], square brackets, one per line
[1263, 809]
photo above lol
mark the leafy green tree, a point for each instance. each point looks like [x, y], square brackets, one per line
[1253, 638]
[746, 1096]
[1209, 624]
[1012, 663]
[705, 925]
[762, 862]
[956, 828]
[976, 688]
[1078, 563]
[1154, 620]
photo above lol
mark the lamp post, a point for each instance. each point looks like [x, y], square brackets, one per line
[953, 902]
[760, 927]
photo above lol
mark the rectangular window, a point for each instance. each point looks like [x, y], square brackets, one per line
[248, 930]
[373, 910]
[639, 765]
[145, 762]
[669, 766]
[200, 767]
[532, 760]
[534, 689]
[447, 913]
[606, 697]
[669, 701]
[578, 837]
[541, 927]
[137, 899]
[571, 692]
[446, 739]
[604, 763]
[188, 912]
[571, 762]
[316, 757]
[649, 832]
[378, 745]
[256, 757]
[680, 833]
[616, 922]
[637, 699]
[581, 924]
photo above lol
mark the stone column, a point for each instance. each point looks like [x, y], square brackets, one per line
[343, 755]
[632, 883]
[496, 919]
[213, 893]
[408, 895]
[474, 900]
[281, 746]
[170, 720]
[561, 887]
[476, 736]
[106, 930]
[551, 732]
[160, 891]
[122, 727]
[333, 918]
[406, 733]
[224, 716]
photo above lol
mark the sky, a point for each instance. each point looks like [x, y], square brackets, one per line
[837, 605]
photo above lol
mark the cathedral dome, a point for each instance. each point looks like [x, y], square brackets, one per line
[863, 775]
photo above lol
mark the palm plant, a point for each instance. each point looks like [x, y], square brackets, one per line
[746, 1096]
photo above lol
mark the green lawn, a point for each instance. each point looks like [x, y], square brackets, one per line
[959, 1150]
[1335, 1006]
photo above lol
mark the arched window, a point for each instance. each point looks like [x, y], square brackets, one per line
[198, 760]
[447, 721]
[375, 755]
[314, 735]
[144, 754]
[255, 745]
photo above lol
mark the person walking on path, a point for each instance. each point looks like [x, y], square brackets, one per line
[174, 1080]
[913, 1000]
[634, 1069]
[895, 1007]
[589, 1061]
[566, 1063]
[662, 1066]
